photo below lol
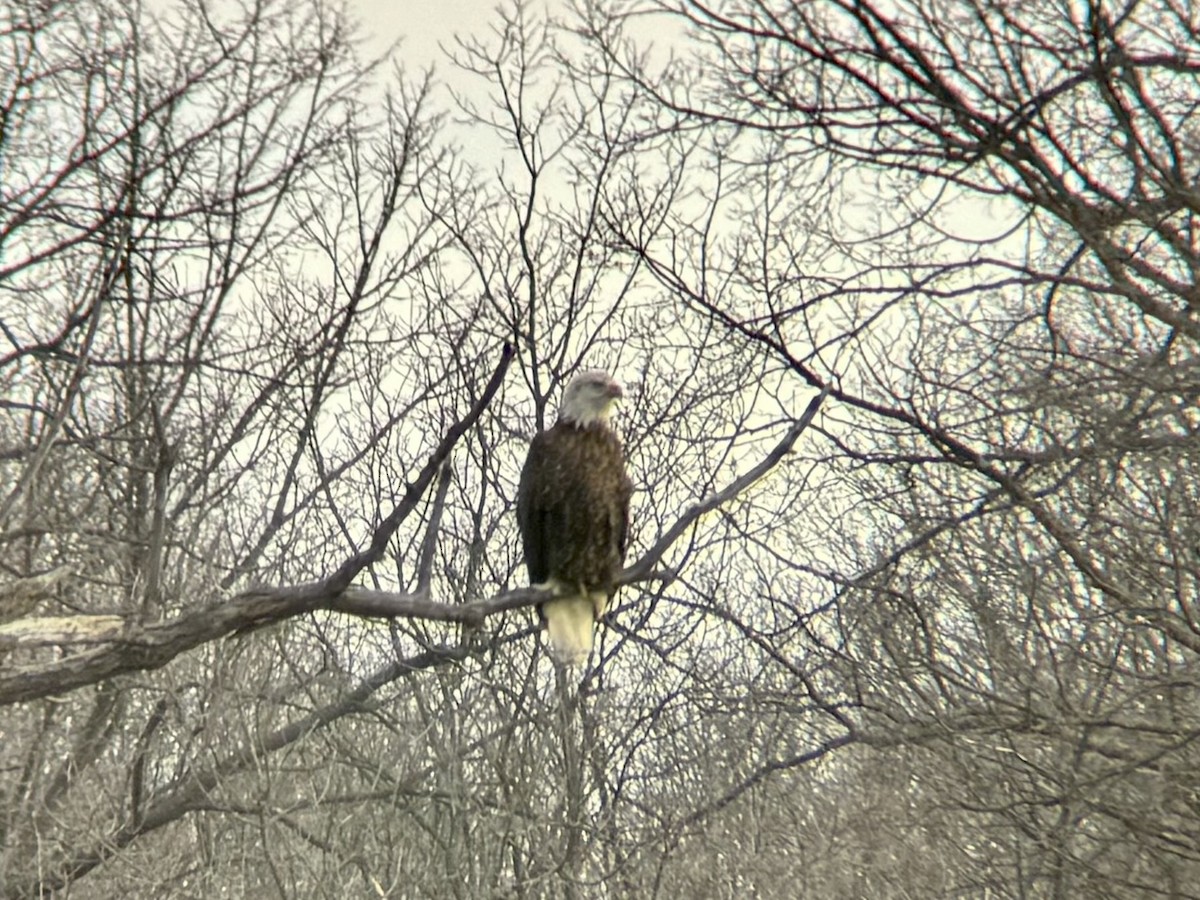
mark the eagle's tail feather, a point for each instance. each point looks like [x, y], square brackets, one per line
[570, 624]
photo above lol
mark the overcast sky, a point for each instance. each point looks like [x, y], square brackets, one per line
[422, 24]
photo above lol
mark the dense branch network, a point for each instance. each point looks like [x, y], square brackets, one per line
[152, 646]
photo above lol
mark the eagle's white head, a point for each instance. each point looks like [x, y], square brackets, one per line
[590, 397]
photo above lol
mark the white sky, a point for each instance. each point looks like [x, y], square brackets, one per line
[423, 24]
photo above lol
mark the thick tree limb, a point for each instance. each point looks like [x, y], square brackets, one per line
[42, 631]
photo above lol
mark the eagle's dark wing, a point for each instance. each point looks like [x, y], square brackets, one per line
[624, 493]
[536, 511]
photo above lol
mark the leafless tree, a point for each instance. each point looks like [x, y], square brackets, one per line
[273, 349]
[973, 223]
[904, 298]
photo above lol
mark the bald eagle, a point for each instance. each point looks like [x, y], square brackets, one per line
[573, 513]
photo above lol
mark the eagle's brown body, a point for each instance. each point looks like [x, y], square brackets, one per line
[573, 513]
